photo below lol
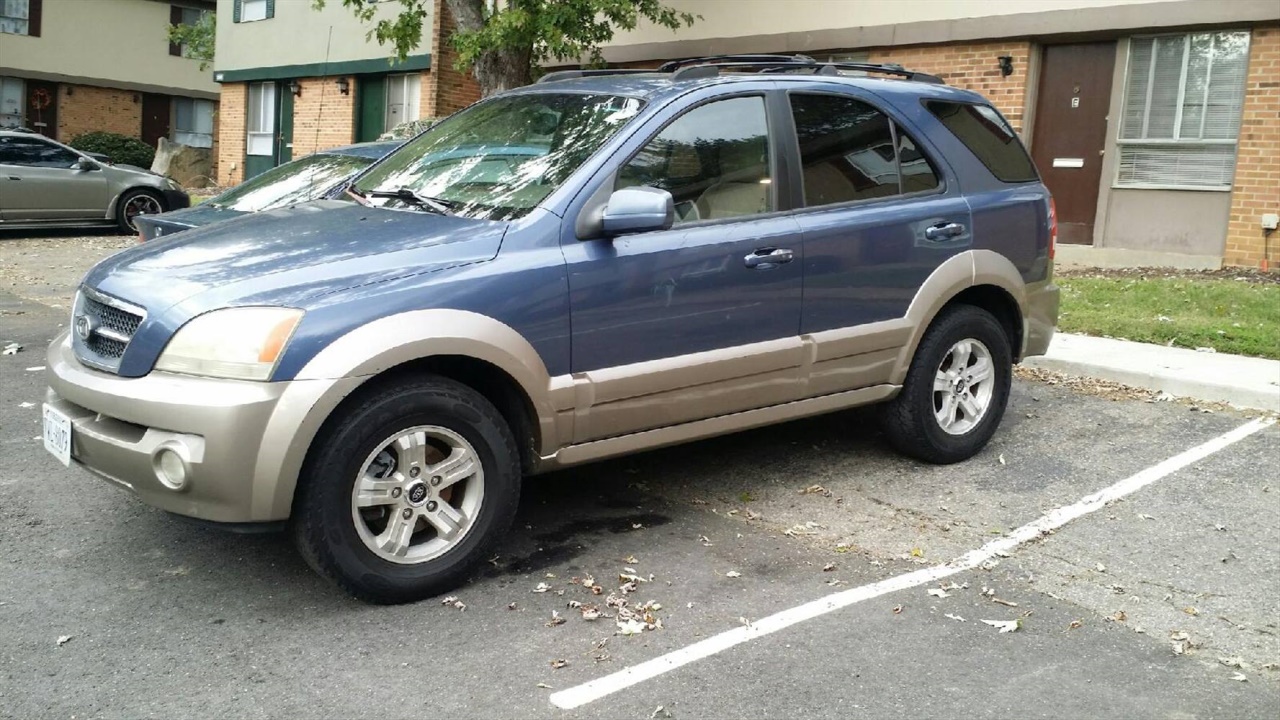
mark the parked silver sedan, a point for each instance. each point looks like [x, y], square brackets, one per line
[44, 183]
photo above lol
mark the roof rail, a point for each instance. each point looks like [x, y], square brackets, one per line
[673, 65]
[710, 66]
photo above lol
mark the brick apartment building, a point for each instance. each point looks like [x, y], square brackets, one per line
[295, 80]
[71, 66]
[1156, 123]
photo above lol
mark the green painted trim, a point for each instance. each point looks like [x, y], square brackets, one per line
[349, 67]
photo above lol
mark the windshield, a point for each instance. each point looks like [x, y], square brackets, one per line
[295, 182]
[499, 159]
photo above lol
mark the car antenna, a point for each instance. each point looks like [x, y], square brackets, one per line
[315, 144]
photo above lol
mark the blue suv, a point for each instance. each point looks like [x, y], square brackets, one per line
[599, 264]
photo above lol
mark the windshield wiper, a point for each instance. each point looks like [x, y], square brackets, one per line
[412, 196]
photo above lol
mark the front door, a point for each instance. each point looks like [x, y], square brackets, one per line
[371, 107]
[270, 127]
[39, 181]
[42, 107]
[726, 278]
[155, 118]
[1071, 131]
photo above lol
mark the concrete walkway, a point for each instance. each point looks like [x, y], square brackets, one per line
[1241, 381]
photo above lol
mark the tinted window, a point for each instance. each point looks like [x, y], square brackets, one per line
[846, 150]
[714, 160]
[32, 152]
[917, 174]
[989, 137]
[295, 182]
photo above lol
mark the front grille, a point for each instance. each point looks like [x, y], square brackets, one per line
[110, 324]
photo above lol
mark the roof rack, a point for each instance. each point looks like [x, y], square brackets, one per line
[710, 66]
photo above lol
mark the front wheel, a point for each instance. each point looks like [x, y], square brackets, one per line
[407, 491]
[956, 389]
[134, 203]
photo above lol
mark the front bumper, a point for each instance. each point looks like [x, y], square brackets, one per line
[176, 200]
[243, 441]
[1041, 318]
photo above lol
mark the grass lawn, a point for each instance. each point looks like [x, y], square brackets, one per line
[1231, 313]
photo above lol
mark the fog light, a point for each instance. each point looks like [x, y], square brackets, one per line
[171, 467]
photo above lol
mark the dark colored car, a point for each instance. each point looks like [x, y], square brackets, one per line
[667, 256]
[321, 175]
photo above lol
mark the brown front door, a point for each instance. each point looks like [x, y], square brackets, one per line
[155, 118]
[1071, 131]
[42, 108]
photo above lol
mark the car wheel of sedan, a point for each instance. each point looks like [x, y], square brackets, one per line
[407, 490]
[956, 389]
[134, 203]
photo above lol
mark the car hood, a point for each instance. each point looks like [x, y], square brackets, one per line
[289, 256]
[165, 224]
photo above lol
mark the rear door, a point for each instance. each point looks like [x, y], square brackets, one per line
[39, 181]
[879, 214]
[686, 323]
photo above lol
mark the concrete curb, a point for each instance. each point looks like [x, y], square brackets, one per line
[1213, 377]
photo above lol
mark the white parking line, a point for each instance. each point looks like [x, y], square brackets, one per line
[625, 678]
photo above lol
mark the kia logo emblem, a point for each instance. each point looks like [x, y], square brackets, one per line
[84, 326]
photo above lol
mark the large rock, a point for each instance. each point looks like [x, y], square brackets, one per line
[189, 166]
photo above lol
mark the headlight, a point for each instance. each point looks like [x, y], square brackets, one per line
[236, 343]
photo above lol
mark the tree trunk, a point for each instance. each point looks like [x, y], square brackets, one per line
[495, 70]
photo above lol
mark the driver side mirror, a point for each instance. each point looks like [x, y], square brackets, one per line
[638, 209]
[87, 164]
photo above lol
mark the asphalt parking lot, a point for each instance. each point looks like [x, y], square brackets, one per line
[1162, 603]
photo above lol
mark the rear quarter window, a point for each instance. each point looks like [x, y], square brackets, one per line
[988, 137]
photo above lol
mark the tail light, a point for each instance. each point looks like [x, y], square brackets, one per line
[1053, 228]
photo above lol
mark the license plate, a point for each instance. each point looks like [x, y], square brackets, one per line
[57, 434]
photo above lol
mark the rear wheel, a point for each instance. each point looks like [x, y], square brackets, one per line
[956, 389]
[134, 203]
[407, 491]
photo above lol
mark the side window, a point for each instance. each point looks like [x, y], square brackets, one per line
[846, 149]
[987, 136]
[30, 152]
[917, 174]
[714, 160]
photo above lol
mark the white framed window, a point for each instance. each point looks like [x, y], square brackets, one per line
[193, 122]
[1182, 101]
[403, 92]
[251, 10]
[15, 16]
[261, 119]
[11, 92]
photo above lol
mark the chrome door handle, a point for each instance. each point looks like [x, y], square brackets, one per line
[943, 231]
[766, 258]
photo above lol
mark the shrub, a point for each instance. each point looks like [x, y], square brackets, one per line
[122, 149]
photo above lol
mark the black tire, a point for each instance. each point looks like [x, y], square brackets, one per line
[123, 219]
[322, 523]
[909, 420]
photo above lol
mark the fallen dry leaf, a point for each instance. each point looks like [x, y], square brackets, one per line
[1075, 624]
[558, 663]
[511, 606]
[64, 639]
[814, 490]
[545, 686]
[828, 567]
[917, 552]
[555, 619]
[897, 609]
[630, 560]
[939, 593]
[11, 349]
[1232, 662]
[733, 574]
[1101, 567]
[1239, 677]
[1190, 611]
[1119, 616]
[659, 712]
[1006, 626]
[630, 627]
[542, 587]
[954, 617]
[1001, 458]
